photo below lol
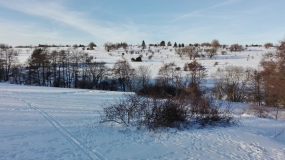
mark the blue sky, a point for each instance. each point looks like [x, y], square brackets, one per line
[33, 22]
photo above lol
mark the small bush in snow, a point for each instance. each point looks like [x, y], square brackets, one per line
[224, 52]
[260, 111]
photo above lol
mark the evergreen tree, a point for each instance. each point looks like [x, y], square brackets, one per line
[162, 43]
[143, 44]
[169, 44]
[175, 45]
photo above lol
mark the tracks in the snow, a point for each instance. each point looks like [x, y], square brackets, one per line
[65, 133]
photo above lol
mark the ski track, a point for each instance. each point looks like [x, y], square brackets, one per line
[65, 133]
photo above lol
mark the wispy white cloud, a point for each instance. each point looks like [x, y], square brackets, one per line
[56, 11]
[11, 34]
[195, 13]
[62, 22]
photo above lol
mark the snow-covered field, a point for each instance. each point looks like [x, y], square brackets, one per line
[56, 123]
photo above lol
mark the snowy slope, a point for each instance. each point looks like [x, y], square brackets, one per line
[54, 123]
[248, 58]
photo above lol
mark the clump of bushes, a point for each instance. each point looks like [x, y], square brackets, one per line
[159, 114]
[159, 91]
[138, 59]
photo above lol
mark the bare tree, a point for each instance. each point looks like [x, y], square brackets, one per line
[256, 91]
[190, 51]
[194, 78]
[273, 77]
[231, 83]
[92, 45]
[75, 59]
[206, 44]
[125, 46]
[98, 71]
[215, 44]
[125, 74]
[143, 76]
[75, 46]
[167, 74]
[8, 58]
[179, 52]
[211, 52]
[109, 46]
[267, 45]
[196, 73]
[236, 48]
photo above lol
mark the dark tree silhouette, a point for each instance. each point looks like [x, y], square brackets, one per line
[143, 44]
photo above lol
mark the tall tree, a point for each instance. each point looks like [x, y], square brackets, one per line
[215, 44]
[8, 59]
[232, 82]
[273, 77]
[124, 73]
[38, 65]
[143, 76]
[143, 44]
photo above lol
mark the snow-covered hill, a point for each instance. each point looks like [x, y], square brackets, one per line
[56, 123]
[250, 57]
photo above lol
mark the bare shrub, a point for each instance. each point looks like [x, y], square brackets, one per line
[159, 114]
[260, 111]
[231, 83]
[204, 111]
[224, 52]
[158, 91]
[169, 113]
